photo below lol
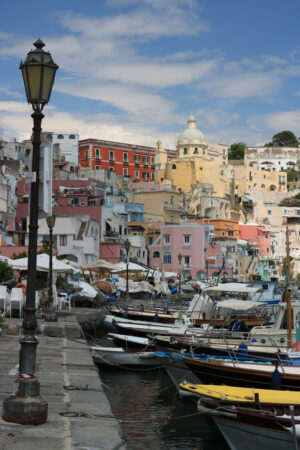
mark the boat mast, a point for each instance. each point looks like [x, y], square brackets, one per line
[288, 296]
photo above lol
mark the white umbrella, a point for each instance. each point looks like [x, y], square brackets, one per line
[132, 267]
[42, 264]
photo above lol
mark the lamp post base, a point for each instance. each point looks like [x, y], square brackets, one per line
[26, 406]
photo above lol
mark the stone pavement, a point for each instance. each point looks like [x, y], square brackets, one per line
[69, 383]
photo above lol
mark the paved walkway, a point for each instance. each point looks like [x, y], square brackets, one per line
[69, 383]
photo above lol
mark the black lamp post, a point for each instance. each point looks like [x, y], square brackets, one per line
[179, 267]
[127, 247]
[206, 262]
[50, 315]
[26, 406]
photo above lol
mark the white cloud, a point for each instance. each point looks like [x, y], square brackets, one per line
[15, 119]
[243, 85]
[282, 120]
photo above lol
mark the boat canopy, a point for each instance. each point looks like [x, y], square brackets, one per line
[239, 305]
[234, 287]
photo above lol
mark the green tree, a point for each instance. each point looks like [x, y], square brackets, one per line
[289, 174]
[6, 272]
[237, 150]
[284, 139]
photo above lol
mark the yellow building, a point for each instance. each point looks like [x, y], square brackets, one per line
[160, 206]
[196, 162]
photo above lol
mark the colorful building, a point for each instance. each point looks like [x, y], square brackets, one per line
[201, 256]
[258, 236]
[134, 161]
[160, 206]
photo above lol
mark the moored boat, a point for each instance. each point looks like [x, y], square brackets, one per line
[118, 357]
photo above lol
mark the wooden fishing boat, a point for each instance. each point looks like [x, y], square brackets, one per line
[240, 371]
[263, 418]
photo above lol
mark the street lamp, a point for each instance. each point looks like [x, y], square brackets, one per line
[127, 247]
[179, 267]
[206, 263]
[26, 406]
[50, 315]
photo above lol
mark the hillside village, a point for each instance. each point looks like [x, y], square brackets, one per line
[192, 206]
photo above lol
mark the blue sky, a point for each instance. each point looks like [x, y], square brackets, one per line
[134, 70]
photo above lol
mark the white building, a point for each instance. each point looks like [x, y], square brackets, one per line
[272, 158]
[75, 237]
[68, 144]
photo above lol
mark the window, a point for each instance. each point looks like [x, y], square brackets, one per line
[167, 258]
[172, 219]
[62, 240]
[186, 240]
[49, 136]
[145, 176]
[125, 157]
[120, 229]
[174, 166]
[136, 175]
[86, 154]
[125, 171]
[152, 160]
[230, 233]
[60, 136]
[185, 151]
[111, 169]
[167, 239]
[111, 155]
[285, 211]
[97, 153]
[137, 159]
[186, 262]
[72, 136]
[145, 160]
[151, 243]
[172, 201]
[196, 151]
[97, 167]
[203, 151]
[153, 176]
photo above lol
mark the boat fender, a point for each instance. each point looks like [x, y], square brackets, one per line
[276, 378]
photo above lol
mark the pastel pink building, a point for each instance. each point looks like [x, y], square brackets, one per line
[201, 254]
[258, 236]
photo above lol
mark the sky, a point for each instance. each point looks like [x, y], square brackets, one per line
[134, 70]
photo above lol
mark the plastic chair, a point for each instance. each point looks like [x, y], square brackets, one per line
[16, 300]
[3, 299]
[64, 300]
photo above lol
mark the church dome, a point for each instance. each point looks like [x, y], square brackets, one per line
[191, 134]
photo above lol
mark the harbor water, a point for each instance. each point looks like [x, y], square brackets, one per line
[152, 416]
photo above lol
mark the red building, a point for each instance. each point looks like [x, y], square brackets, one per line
[134, 161]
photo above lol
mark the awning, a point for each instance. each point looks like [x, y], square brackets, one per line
[234, 287]
[239, 305]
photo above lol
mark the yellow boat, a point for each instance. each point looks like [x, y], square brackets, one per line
[241, 394]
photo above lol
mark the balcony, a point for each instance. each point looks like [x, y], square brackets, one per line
[112, 160]
[97, 158]
[111, 235]
[137, 163]
[125, 163]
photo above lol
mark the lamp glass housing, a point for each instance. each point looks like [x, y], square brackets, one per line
[38, 72]
[51, 221]
[127, 245]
